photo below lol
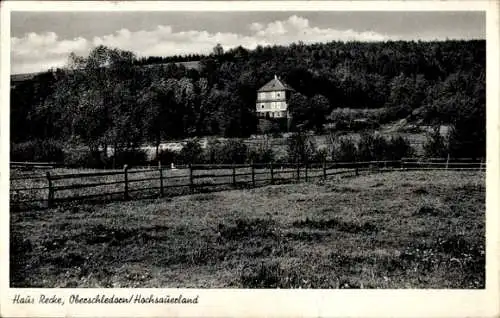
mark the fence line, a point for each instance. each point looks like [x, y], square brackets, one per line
[255, 174]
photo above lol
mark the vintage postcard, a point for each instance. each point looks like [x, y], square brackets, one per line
[227, 158]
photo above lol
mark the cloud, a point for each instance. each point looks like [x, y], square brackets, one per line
[37, 52]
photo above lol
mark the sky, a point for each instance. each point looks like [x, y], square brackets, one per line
[41, 40]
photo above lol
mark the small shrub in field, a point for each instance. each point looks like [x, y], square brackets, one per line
[37, 150]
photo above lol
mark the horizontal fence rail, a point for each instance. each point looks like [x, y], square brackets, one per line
[125, 184]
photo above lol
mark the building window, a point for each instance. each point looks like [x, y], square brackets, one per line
[262, 106]
[278, 94]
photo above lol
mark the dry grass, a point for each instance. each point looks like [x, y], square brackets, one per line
[390, 230]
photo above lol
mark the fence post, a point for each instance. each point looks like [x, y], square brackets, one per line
[253, 174]
[191, 188]
[234, 175]
[481, 165]
[401, 165]
[324, 170]
[447, 161]
[272, 174]
[161, 178]
[356, 169]
[125, 173]
[50, 199]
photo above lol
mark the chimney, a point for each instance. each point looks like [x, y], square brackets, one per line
[275, 77]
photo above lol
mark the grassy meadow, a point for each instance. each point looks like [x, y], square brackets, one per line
[396, 229]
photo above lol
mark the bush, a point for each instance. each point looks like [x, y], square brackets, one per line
[372, 147]
[167, 156]
[263, 153]
[191, 153]
[436, 145]
[345, 151]
[129, 157]
[398, 147]
[466, 139]
[320, 155]
[234, 151]
[300, 148]
[85, 159]
[213, 152]
[229, 151]
[37, 150]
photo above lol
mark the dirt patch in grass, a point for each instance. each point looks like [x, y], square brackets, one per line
[307, 236]
[243, 228]
[343, 189]
[428, 210]
[421, 191]
[204, 197]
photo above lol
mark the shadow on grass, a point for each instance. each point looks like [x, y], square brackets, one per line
[344, 226]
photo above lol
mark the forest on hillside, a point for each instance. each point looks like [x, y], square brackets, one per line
[110, 98]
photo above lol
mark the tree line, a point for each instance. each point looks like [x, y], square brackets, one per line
[110, 99]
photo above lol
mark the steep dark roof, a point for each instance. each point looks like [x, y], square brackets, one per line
[274, 85]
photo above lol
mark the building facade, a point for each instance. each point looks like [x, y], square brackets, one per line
[272, 99]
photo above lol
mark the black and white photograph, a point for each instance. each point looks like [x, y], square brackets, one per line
[272, 149]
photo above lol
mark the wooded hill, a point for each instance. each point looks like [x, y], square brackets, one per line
[109, 98]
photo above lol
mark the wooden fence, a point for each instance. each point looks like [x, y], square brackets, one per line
[51, 189]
